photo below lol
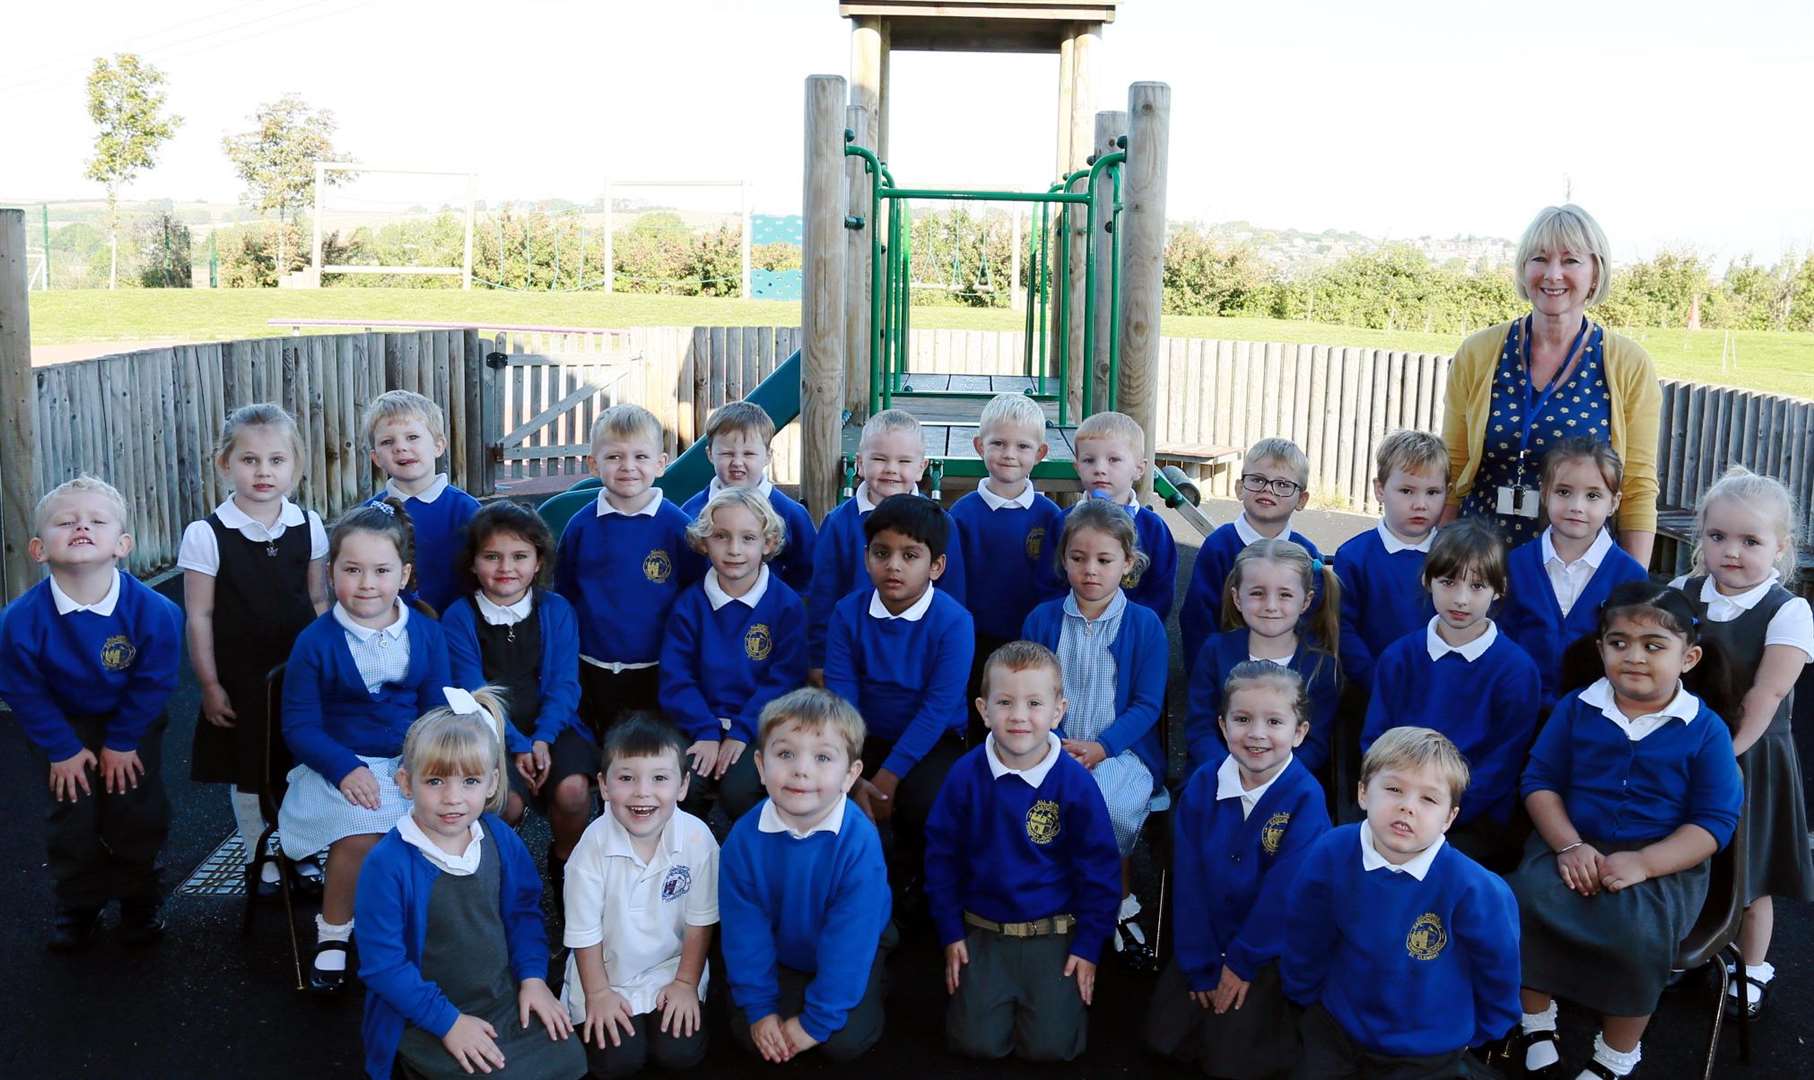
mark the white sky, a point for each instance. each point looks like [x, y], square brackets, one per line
[1677, 122]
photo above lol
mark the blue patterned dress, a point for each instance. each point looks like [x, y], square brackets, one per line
[1582, 406]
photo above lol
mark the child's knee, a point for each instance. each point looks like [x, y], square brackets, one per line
[572, 797]
[513, 810]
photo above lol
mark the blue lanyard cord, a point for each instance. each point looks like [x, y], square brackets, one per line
[1533, 408]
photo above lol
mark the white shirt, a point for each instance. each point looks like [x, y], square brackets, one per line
[648, 508]
[712, 489]
[996, 502]
[1470, 652]
[1394, 545]
[769, 820]
[639, 911]
[67, 604]
[1683, 706]
[426, 495]
[461, 865]
[200, 550]
[879, 610]
[1792, 625]
[1250, 535]
[861, 495]
[364, 633]
[1371, 859]
[1034, 775]
[715, 594]
[1228, 784]
[1569, 578]
[503, 614]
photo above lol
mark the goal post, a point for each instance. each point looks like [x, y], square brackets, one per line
[464, 270]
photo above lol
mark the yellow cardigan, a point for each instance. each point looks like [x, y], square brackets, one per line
[1637, 405]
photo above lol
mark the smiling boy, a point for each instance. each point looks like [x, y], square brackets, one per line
[738, 436]
[1381, 570]
[407, 434]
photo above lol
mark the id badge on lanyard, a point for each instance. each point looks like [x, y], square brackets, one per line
[1521, 498]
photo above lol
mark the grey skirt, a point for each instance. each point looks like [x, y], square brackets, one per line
[1776, 819]
[1611, 952]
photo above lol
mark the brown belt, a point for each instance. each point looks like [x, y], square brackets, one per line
[1052, 924]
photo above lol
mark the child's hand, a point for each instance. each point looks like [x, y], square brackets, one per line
[702, 756]
[120, 770]
[69, 777]
[605, 1009]
[1086, 976]
[1088, 752]
[1622, 870]
[1205, 999]
[533, 998]
[217, 708]
[770, 1041]
[1231, 992]
[876, 797]
[361, 789]
[957, 954]
[543, 762]
[729, 750]
[1581, 869]
[473, 1043]
[798, 1041]
[679, 1005]
[525, 767]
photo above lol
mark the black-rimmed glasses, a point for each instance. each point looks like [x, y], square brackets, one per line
[1284, 489]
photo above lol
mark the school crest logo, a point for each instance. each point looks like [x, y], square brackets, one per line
[758, 642]
[1427, 938]
[1036, 539]
[677, 883]
[1042, 822]
[1273, 832]
[657, 567]
[118, 653]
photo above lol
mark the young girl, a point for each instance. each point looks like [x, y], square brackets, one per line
[252, 579]
[1114, 655]
[735, 642]
[505, 561]
[356, 679]
[1241, 830]
[450, 917]
[1744, 556]
[1558, 581]
[1632, 787]
[1265, 604]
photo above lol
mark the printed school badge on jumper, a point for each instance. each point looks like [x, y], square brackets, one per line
[1036, 539]
[1273, 832]
[1427, 937]
[677, 883]
[657, 567]
[758, 642]
[118, 653]
[1042, 822]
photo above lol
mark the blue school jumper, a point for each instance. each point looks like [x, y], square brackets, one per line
[1201, 614]
[817, 904]
[731, 662]
[1010, 851]
[622, 573]
[1141, 654]
[1234, 873]
[795, 562]
[906, 676]
[560, 665]
[1018, 548]
[391, 910]
[838, 571]
[1487, 707]
[440, 528]
[1408, 968]
[1383, 599]
[1632, 793]
[1532, 618]
[330, 720]
[1322, 682]
[122, 666]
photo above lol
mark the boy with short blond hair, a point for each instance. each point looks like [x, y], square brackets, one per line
[1381, 570]
[738, 437]
[88, 659]
[406, 434]
[622, 566]
[1111, 457]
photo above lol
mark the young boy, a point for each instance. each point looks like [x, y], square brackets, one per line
[900, 652]
[1023, 878]
[891, 458]
[1008, 527]
[1459, 675]
[642, 898]
[406, 434]
[1404, 950]
[1111, 456]
[88, 658]
[738, 435]
[804, 893]
[1275, 484]
[622, 566]
[1381, 570]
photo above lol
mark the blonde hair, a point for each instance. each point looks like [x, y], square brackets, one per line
[1012, 410]
[266, 415]
[81, 485]
[443, 742]
[1416, 748]
[740, 417]
[1255, 674]
[1566, 228]
[886, 422]
[1023, 656]
[1412, 451]
[1112, 425]
[1325, 618]
[403, 405]
[815, 710]
[1765, 494]
[626, 422]
[1105, 517]
[1283, 451]
[774, 530]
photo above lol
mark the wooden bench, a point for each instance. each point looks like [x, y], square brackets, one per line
[1196, 459]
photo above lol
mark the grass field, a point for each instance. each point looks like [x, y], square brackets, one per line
[1781, 363]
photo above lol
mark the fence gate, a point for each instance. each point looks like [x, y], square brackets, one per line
[549, 402]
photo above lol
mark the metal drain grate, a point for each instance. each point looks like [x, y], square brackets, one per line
[222, 873]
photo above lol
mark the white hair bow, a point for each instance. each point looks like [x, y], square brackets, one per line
[460, 701]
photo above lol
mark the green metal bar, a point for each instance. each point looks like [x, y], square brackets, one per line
[985, 196]
[1115, 294]
[906, 338]
[1045, 286]
[1062, 300]
[1101, 164]
[873, 166]
[1026, 337]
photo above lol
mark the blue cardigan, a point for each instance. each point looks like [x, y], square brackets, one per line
[391, 910]
[330, 719]
[1530, 615]
[1203, 705]
[560, 665]
[1142, 654]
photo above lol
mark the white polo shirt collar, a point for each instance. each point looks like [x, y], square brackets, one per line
[1594, 556]
[864, 506]
[366, 633]
[715, 594]
[102, 607]
[503, 614]
[1394, 545]
[467, 862]
[1723, 608]
[995, 502]
[1228, 784]
[1371, 859]
[1250, 535]
[1470, 652]
[617, 842]
[233, 517]
[769, 820]
[879, 610]
[1683, 706]
[1034, 775]
[648, 508]
[764, 489]
[426, 495]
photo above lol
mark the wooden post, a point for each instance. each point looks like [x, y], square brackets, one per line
[857, 270]
[1077, 143]
[1063, 165]
[1109, 126]
[18, 411]
[881, 119]
[823, 194]
[1149, 106]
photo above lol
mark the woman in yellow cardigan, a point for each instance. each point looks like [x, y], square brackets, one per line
[1516, 388]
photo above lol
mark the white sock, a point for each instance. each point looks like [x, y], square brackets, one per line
[333, 959]
[249, 818]
[1130, 907]
[1541, 1054]
[1763, 973]
[1616, 1062]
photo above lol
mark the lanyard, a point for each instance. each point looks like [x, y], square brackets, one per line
[1533, 407]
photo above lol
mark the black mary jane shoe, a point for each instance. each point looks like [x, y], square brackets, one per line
[1518, 1051]
[1132, 949]
[328, 982]
[1756, 993]
[74, 930]
[1604, 1073]
[141, 921]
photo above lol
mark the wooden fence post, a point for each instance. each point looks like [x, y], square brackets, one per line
[822, 297]
[856, 270]
[18, 411]
[1149, 106]
[1109, 127]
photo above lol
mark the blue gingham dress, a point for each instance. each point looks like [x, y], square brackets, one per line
[314, 812]
[1089, 688]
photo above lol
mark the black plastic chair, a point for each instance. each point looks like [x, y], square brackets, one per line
[270, 798]
[1156, 830]
[1714, 940]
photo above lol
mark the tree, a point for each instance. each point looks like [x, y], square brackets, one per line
[276, 161]
[126, 102]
